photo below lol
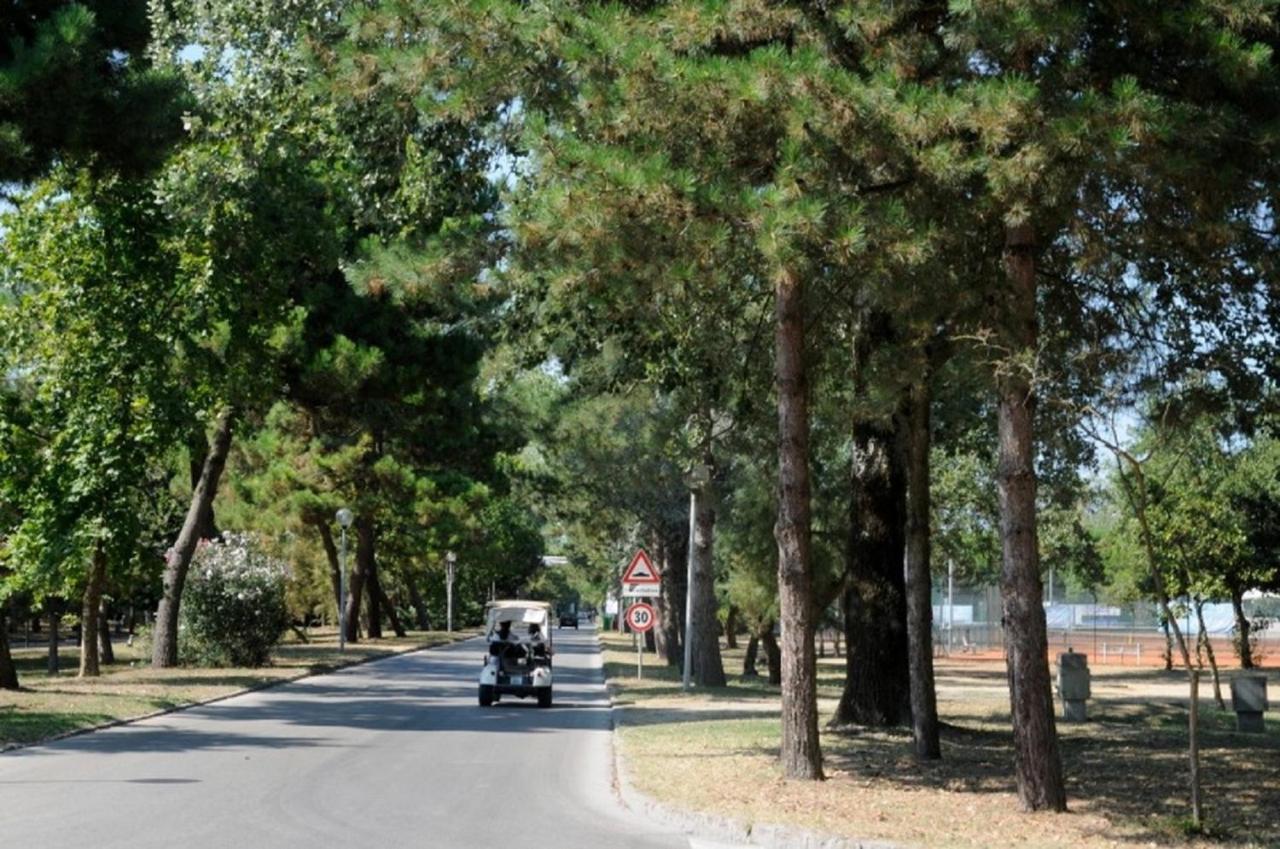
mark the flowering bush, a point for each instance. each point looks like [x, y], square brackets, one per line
[233, 607]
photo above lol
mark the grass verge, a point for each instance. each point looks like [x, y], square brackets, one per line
[49, 706]
[716, 751]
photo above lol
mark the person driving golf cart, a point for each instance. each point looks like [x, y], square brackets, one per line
[514, 665]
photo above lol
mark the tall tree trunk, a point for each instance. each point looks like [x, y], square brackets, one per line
[749, 659]
[1037, 762]
[671, 601]
[708, 667]
[924, 697]
[388, 607]
[52, 666]
[801, 754]
[1168, 644]
[105, 648]
[873, 602]
[1208, 651]
[1243, 648]
[197, 448]
[374, 596]
[333, 557]
[97, 577]
[772, 653]
[8, 672]
[731, 627]
[362, 567]
[164, 652]
[421, 617]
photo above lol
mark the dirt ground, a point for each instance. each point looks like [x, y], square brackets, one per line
[1126, 769]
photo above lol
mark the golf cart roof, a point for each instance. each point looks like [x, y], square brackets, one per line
[530, 612]
[519, 602]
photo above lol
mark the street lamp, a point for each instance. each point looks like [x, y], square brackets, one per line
[450, 567]
[699, 477]
[345, 518]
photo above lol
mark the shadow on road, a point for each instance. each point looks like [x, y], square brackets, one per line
[415, 693]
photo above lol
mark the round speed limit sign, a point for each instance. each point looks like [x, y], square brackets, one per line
[640, 617]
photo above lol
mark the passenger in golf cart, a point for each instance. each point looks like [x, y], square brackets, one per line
[518, 661]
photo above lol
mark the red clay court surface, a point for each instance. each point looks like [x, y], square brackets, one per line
[1121, 648]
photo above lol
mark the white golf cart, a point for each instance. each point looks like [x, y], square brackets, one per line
[518, 662]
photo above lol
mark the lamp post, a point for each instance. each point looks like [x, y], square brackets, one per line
[345, 518]
[450, 567]
[699, 477]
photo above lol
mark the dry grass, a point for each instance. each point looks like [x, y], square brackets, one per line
[48, 706]
[1126, 769]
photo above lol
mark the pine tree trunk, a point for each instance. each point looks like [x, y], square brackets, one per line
[731, 627]
[164, 652]
[97, 577]
[671, 603]
[52, 666]
[924, 698]
[1243, 648]
[708, 667]
[105, 648]
[801, 754]
[333, 558]
[659, 557]
[772, 654]
[1037, 762]
[8, 672]
[356, 578]
[421, 617]
[873, 604]
[374, 597]
[749, 659]
[388, 608]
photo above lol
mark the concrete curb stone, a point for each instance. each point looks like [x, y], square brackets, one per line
[713, 827]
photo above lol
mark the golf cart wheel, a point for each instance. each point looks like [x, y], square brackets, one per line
[544, 698]
[486, 695]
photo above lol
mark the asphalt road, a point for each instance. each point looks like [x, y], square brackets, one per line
[392, 753]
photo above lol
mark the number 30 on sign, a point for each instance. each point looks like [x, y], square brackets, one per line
[640, 617]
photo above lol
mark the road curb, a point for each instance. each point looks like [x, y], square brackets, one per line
[714, 827]
[266, 685]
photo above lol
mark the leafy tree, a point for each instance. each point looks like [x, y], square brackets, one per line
[89, 327]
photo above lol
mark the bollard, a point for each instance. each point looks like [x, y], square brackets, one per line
[1073, 685]
[1249, 701]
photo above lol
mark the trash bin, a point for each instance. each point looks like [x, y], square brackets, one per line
[1249, 701]
[1073, 685]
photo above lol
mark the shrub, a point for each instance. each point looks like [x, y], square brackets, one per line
[233, 609]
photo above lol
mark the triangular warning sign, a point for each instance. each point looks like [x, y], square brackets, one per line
[641, 570]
